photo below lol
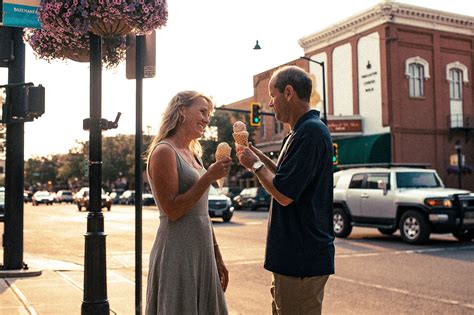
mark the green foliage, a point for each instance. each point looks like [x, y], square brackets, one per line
[69, 170]
[40, 170]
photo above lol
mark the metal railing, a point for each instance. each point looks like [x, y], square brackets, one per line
[461, 121]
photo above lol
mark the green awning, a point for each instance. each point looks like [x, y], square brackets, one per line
[365, 149]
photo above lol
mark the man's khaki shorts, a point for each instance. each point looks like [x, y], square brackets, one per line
[296, 295]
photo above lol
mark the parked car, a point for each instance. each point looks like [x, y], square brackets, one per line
[42, 196]
[413, 200]
[231, 192]
[148, 199]
[64, 196]
[115, 196]
[252, 198]
[27, 196]
[127, 198]
[81, 199]
[220, 206]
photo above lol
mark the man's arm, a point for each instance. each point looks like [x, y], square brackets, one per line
[265, 159]
[265, 175]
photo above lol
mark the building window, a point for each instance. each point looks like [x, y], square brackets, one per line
[278, 126]
[416, 80]
[455, 86]
[456, 74]
[417, 71]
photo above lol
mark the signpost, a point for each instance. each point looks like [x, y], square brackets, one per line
[20, 13]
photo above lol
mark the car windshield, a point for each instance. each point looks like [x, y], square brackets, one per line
[417, 180]
[213, 191]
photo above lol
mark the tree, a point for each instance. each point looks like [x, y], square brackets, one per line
[41, 170]
[71, 168]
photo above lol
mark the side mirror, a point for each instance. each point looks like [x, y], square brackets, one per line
[382, 185]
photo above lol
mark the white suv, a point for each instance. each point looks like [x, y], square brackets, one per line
[413, 200]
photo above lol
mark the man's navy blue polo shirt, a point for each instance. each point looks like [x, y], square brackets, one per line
[300, 239]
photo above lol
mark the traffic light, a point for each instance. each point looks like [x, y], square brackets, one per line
[255, 115]
[335, 155]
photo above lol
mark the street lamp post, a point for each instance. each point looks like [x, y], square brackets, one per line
[458, 148]
[95, 274]
[321, 63]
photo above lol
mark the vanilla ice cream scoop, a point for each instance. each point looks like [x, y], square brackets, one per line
[223, 150]
[239, 126]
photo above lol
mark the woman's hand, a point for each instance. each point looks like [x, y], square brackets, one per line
[223, 273]
[219, 168]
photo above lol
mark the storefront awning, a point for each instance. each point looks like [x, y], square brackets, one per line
[365, 149]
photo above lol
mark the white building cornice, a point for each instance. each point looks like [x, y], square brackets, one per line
[389, 12]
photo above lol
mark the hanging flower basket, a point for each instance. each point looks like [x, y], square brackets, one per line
[103, 17]
[110, 28]
[79, 55]
[50, 46]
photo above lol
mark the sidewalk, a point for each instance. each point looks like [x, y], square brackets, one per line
[59, 290]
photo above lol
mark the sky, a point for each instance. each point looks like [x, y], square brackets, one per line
[207, 46]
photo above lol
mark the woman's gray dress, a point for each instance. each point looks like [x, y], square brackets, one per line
[183, 277]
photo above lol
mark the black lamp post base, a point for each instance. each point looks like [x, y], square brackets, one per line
[95, 308]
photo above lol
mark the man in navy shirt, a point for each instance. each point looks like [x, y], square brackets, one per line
[300, 239]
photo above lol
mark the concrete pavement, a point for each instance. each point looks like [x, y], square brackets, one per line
[59, 290]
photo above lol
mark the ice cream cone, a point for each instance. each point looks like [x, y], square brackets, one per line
[241, 138]
[223, 150]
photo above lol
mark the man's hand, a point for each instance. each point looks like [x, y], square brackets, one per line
[246, 156]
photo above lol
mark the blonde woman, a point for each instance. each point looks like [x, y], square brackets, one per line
[186, 272]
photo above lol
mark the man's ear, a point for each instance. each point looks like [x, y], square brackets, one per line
[288, 92]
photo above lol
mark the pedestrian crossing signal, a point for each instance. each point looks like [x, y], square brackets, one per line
[255, 115]
[335, 155]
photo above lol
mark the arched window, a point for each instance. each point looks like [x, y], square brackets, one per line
[456, 74]
[416, 75]
[455, 84]
[417, 70]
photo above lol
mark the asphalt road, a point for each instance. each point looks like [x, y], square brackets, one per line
[375, 274]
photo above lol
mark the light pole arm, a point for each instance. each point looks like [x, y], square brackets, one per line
[321, 63]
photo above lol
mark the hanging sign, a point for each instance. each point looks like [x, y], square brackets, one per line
[20, 13]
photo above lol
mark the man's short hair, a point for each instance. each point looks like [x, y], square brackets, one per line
[297, 78]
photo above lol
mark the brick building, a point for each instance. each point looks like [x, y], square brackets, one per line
[398, 88]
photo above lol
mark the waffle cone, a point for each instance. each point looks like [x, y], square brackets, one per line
[241, 137]
[223, 150]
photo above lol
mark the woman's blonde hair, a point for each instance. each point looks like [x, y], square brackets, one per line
[171, 120]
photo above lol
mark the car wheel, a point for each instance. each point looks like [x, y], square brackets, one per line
[388, 231]
[79, 208]
[108, 208]
[341, 223]
[227, 218]
[414, 227]
[465, 235]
